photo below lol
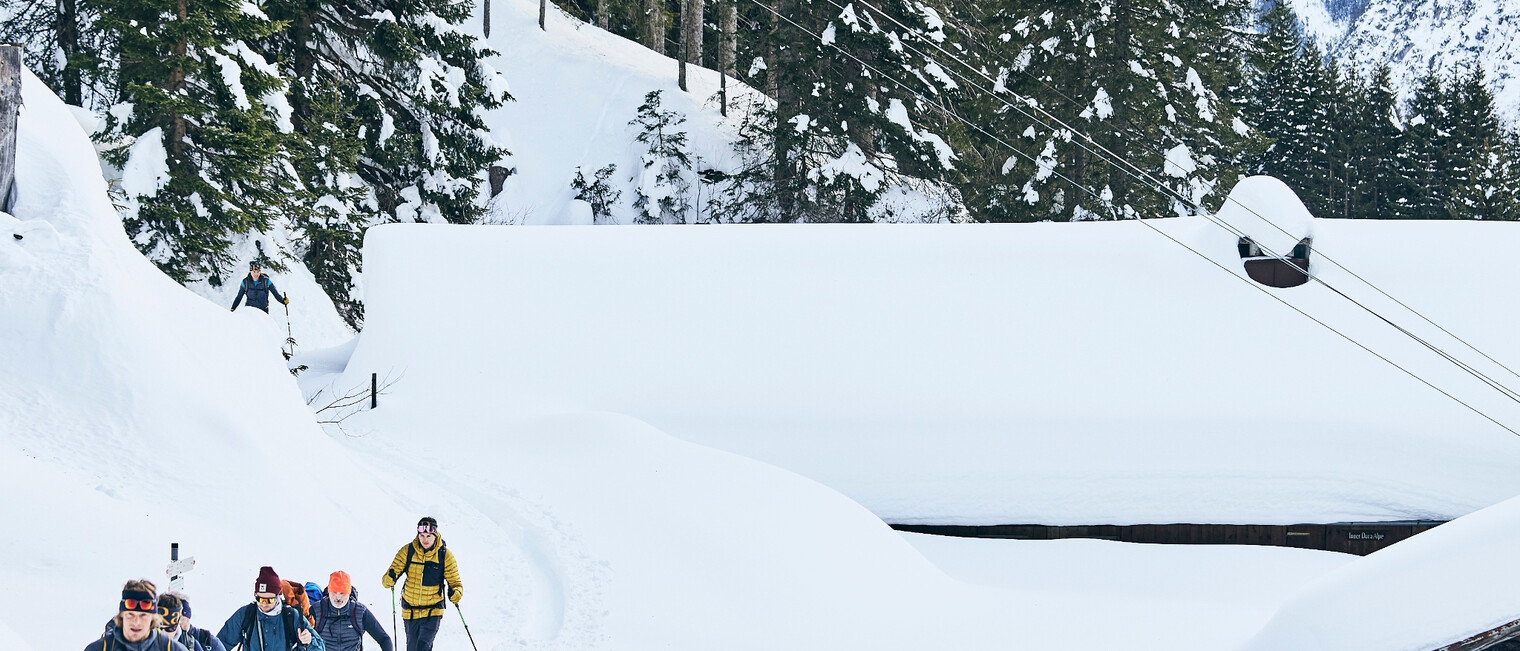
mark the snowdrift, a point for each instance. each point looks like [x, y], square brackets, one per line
[1435, 589]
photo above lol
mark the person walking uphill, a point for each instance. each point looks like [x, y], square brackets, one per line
[137, 621]
[257, 286]
[342, 621]
[268, 624]
[431, 576]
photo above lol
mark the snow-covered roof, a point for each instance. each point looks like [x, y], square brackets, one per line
[974, 374]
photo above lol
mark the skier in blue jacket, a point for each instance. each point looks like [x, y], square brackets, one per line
[269, 624]
[257, 286]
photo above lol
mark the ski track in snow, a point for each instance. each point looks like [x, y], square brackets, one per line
[541, 609]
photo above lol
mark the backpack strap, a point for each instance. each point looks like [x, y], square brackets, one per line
[289, 615]
[250, 619]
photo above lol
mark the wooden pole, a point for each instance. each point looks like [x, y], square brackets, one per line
[374, 391]
[485, 18]
[543, 12]
[10, 108]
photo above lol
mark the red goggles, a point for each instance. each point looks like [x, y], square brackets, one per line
[139, 602]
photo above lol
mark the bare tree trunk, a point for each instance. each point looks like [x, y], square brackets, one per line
[787, 140]
[485, 18]
[306, 63]
[692, 19]
[177, 84]
[543, 11]
[603, 7]
[67, 32]
[654, 25]
[728, 20]
[10, 108]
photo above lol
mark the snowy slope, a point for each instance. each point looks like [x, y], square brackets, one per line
[133, 414]
[577, 87]
[1415, 35]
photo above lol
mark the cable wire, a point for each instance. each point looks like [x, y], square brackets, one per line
[1113, 159]
[1147, 224]
[1145, 178]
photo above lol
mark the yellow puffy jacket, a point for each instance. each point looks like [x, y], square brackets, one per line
[422, 594]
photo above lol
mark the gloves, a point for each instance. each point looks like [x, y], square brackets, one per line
[287, 300]
[231, 309]
[455, 596]
[387, 582]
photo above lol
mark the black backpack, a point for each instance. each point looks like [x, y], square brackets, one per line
[432, 574]
[288, 615]
[353, 612]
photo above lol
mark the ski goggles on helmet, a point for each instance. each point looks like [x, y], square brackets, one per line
[138, 601]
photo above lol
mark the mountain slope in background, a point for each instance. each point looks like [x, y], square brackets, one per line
[1416, 35]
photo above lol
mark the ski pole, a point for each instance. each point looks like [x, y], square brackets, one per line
[394, 635]
[466, 627]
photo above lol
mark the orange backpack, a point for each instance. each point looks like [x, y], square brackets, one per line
[295, 597]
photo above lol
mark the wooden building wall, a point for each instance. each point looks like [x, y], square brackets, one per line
[1359, 538]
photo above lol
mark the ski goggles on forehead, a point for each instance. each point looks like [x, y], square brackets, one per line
[139, 602]
[427, 528]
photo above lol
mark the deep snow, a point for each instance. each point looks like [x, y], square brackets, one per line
[983, 374]
[133, 414]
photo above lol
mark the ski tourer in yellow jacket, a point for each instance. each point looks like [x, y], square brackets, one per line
[429, 568]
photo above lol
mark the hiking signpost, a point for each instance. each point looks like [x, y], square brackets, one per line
[177, 568]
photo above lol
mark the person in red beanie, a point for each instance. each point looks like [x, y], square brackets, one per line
[268, 624]
[342, 621]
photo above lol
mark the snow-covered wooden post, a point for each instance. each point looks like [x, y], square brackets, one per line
[10, 107]
[485, 18]
[543, 12]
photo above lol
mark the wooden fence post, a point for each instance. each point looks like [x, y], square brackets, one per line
[10, 107]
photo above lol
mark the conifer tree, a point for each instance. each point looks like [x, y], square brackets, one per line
[217, 108]
[1377, 145]
[386, 101]
[1424, 149]
[849, 111]
[1143, 80]
[664, 182]
[64, 47]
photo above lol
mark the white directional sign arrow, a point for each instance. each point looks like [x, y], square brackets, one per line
[179, 567]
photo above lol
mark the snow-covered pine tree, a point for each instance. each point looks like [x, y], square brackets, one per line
[1475, 172]
[64, 47]
[1424, 151]
[206, 113]
[665, 177]
[598, 192]
[1377, 128]
[849, 110]
[1144, 80]
[386, 101]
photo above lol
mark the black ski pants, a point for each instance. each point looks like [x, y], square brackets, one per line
[420, 633]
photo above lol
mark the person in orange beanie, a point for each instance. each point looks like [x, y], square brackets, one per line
[342, 621]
